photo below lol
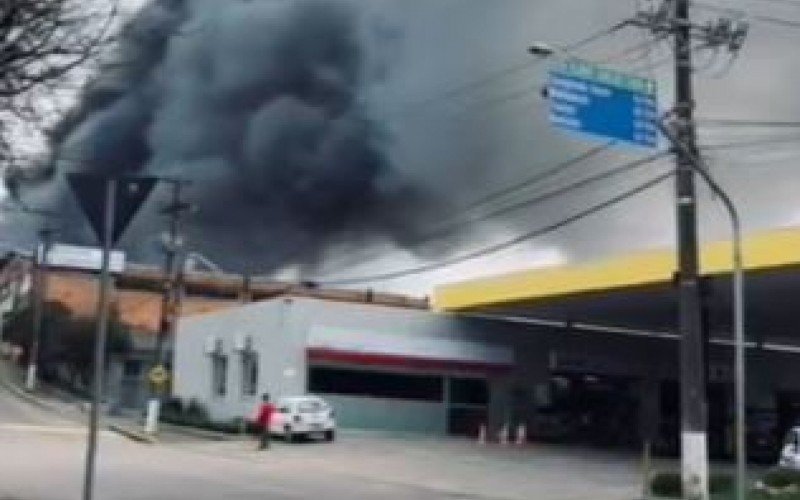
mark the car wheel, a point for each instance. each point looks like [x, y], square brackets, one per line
[288, 435]
[330, 436]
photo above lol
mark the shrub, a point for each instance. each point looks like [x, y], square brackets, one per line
[781, 478]
[668, 484]
[172, 408]
[196, 412]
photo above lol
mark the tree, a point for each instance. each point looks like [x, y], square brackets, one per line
[67, 341]
[41, 42]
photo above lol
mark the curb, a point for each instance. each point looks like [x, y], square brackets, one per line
[27, 396]
[131, 434]
[197, 433]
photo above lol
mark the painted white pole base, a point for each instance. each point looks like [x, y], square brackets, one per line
[30, 380]
[153, 410]
[694, 465]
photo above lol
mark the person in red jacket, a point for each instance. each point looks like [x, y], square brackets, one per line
[264, 418]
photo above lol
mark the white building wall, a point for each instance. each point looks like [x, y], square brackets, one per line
[280, 354]
[281, 329]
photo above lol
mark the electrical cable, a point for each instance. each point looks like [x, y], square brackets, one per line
[539, 177]
[448, 229]
[755, 142]
[788, 23]
[747, 123]
[501, 73]
[504, 245]
[536, 87]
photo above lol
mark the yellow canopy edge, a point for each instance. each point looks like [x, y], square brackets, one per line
[772, 249]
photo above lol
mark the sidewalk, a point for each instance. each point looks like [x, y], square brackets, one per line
[64, 404]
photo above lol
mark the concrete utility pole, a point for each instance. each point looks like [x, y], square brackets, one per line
[172, 270]
[171, 297]
[673, 19]
[694, 406]
[39, 298]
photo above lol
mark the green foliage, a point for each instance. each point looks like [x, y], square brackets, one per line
[668, 484]
[67, 340]
[194, 414]
[781, 478]
[172, 408]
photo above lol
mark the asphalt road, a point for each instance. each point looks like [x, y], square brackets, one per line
[42, 456]
[42, 459]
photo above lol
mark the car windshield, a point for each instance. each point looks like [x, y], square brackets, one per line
[311, 406]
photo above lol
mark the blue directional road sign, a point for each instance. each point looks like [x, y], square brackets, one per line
[602, 102]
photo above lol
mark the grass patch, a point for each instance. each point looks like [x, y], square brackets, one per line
[668, 484]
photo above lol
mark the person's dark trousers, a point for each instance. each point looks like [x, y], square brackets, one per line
[264, 442]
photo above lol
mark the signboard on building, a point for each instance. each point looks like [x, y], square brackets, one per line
[589, 99]
[83, 258]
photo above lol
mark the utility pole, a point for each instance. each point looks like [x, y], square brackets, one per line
[673, 19]
[171, 295]
[694, 404]
[39, 297]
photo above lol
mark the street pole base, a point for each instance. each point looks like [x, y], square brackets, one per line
[30, 379]
[694, 465]
[153, 411]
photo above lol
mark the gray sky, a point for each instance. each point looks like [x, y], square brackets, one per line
[447, 43]
[468, 144]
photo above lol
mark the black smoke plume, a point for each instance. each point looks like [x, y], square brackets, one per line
[260, 104]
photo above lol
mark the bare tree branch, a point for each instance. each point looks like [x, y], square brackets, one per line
[41, 43]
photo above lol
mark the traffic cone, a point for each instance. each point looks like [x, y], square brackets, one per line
[503, 436]
[482, 435]
[522, 435]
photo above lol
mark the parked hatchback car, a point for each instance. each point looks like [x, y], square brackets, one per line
[303, 417]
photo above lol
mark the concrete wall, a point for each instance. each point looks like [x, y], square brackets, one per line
[280, 329]
[281, 355]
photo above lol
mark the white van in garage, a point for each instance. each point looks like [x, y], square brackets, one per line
[303, 417]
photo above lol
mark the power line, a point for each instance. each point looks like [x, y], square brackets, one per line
[754, 142]
[541, 176]
[456, 224]
[504, 72]
[744, 13]
[433, 266]
[446, 230]
[743, 122]
[528, 90]
[549, 195]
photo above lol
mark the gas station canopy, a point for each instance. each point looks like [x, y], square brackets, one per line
[636, 291]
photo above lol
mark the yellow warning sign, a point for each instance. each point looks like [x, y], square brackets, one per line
[158, 375]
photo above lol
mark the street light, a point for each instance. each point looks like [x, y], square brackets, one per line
[701, 169]
[542, 49]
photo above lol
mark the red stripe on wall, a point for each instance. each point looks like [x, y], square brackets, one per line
[321, 354]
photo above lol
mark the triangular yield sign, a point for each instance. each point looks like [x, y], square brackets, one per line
[131, 192]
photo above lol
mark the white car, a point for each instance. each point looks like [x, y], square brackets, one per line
[302, 417]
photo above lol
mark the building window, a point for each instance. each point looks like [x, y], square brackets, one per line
[132, 368]
[323, 380]
[249, 373]
[219, 375]
[469, 392]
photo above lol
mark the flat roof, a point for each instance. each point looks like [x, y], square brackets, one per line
[771, 250]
